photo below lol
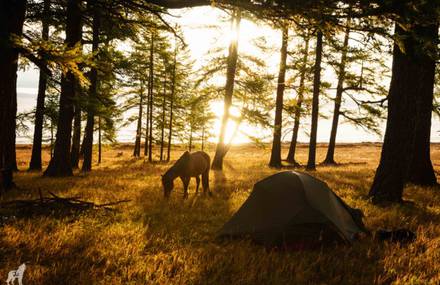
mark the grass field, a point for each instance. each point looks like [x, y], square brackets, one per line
[152, 241]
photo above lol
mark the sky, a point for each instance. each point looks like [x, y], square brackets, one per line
[197, 25]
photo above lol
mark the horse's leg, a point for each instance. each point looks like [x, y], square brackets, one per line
[198, 183]
[205, 182]
[185, 181]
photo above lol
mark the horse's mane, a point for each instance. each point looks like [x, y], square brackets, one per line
[181, 162]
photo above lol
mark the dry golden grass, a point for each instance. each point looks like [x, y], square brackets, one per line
[151, 241]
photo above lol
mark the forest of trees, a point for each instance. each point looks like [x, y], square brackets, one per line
[88, 86]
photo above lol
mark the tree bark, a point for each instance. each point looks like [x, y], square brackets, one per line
[412, 81]
[12, 14]
[76, 138]
[217, 163]
[330, 157]
[60, 164]
[90, 125]
[275, 157]
[36, 163]
[203, 138]
[292, 148]
[311, 164]
[190, 139]
[162, 135]
[421, 171]
[173, 90]
[137, 143]
[147, 122]
[51, 139]
[149, 96]
[150, 103]
[99, 141]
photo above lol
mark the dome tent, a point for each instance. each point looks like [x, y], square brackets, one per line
[291, 206]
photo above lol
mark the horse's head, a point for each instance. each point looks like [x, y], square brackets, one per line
[168, 185]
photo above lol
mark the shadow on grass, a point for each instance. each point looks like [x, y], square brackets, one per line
[245, 263]
[69, 264]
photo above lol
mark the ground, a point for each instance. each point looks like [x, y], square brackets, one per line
[153, 241]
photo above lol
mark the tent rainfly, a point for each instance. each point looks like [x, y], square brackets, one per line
[290, 207]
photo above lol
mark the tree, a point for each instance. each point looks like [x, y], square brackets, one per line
[12, 14]
[329, 159]
[311, 163]
[35, 163]
[247, 82]
[199, 117]
[88, 135]
[303, 70]
[172, 99]
[60, 164]
[220, 153]
[364, 90]
[181, 88]
[76, 137]
[275, 157]
[412, 82]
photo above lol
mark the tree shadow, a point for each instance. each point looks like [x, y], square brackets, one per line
[243, 262]
[70, 264]
[342, 164]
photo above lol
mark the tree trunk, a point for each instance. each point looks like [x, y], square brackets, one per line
[421, 171]
[90, 125]
[190, 139]
[60, 164]
[412, 82]
[203, 138]
[13, 148]
[147, 124]
[12, 15]
[150, 103]
[149, 96]
[275, 157]
[330, 157]
[217, 163]
[173, 90]
[163, 118]
[88, 138]
[36, 163]
[311, 164]
[137, 143]
[76, 139]
[51, 139]
[292, 149]
[99, 141]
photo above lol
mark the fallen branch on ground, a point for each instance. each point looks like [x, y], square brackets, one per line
[54, 205]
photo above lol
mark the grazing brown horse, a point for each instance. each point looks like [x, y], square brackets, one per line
[187, 166]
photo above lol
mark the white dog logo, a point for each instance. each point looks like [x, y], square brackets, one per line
[16, 274]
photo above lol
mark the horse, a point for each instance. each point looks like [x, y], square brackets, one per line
[187, 166]
[16, 274]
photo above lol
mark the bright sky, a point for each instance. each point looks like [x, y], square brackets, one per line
[200, 38]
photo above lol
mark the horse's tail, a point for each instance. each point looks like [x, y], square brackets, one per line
[208, 159]
[205, 174]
